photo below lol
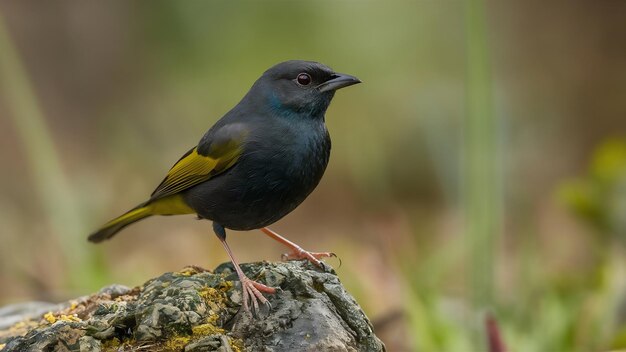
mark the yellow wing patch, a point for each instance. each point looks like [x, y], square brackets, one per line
[218, 151]
[194, 168]
[171, 205]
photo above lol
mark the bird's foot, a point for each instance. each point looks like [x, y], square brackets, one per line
[314, 257]
[252, 293]
[298, 253]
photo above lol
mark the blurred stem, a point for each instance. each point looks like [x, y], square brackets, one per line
[482, 179]
[53, 188]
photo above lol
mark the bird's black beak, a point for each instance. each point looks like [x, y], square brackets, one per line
[337, 81]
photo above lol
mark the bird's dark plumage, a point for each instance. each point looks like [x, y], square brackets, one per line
[258, 162]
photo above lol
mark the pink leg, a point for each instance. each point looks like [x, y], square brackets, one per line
[297, 252]
[251, 289]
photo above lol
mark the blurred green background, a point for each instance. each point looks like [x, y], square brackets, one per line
[481, 167]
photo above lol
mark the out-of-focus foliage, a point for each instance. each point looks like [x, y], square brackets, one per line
[600, 196]
[599, 199]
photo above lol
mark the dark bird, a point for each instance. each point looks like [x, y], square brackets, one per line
[255, 165]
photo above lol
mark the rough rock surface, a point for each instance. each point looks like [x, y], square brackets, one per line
[198, 310]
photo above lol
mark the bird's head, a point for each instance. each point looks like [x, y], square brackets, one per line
[300, 87]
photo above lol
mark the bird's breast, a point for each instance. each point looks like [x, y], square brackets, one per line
[277, 170]
[293, 162]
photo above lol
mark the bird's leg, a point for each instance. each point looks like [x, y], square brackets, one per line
[251, 290]
[297, 252]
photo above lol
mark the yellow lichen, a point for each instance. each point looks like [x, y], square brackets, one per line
[50, 318]
[225, 286]
[214, 299]
[111, 344]
[116, 345]
[73, 305]
[72, 317]
[177, 343]
[209, 293]
[236, 344]
[187, 271]
[206, 329]
[2, 345]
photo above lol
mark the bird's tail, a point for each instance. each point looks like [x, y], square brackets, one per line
[114, 226]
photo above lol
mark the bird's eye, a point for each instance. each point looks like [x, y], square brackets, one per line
[304, 79]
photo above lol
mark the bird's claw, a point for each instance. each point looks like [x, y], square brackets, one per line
[252, 294]
[313, 257]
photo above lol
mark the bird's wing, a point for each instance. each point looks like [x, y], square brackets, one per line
[216, 153]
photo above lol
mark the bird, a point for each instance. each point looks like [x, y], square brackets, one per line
[256, 164]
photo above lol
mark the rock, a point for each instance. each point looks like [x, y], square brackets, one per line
[196, 310]
[12, 314]
[114, 290]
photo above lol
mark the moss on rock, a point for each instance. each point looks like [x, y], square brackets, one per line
[197, 310]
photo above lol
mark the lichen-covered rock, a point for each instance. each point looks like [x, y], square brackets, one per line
[19, 312]
[196, 310]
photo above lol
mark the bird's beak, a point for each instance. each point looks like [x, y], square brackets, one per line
[337, 81]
